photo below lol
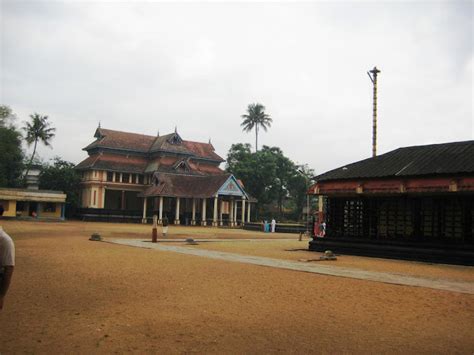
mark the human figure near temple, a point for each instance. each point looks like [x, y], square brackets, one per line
[273, 225]
[165, 226]
[7, 263]
[322, 229]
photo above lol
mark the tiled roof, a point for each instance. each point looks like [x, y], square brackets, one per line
[433, 159]
[136, 164]
[141, 143]
[107, 138]
[187, 185]
[121, 163]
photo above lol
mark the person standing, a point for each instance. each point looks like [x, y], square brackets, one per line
[7, 263]
[165, 226]
[273, 225]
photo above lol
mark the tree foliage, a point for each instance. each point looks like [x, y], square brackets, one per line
[61, 175]
[11, 157]
[254, 119]
[38, 130]
[269, 176]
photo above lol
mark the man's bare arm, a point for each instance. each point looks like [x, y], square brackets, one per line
[6, 279]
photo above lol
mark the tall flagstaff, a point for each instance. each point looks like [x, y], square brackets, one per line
[373, 77]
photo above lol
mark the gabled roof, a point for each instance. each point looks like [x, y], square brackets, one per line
[186, 185]
[433, 159]
[141, 143]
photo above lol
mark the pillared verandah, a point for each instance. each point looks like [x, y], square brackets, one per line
[133, 176]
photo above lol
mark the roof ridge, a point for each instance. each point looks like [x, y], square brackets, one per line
[138, 134]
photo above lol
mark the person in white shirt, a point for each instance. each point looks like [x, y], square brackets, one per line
[273, 225]
[7, 263]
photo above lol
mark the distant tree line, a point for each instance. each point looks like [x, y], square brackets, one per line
[14, 165]
[274, 180]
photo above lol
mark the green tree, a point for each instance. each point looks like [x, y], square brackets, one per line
[256, 170]
[298, 186]
[255, 118]
[271, 177]
[285, 170]
[7, 117]
[11, 157]
[38, 130]
[61, 176]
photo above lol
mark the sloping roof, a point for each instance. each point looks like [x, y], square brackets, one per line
[186, 185]
[141, 143]
[107, 138]
[446, 158]
[138, 164]
[121, 163]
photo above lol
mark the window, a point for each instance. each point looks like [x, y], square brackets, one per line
[125, 178]
[110, 176]
[140, 179]
[117, 177]
[49, 207]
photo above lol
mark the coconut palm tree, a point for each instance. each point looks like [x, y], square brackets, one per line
[37, 130]
[255, 118]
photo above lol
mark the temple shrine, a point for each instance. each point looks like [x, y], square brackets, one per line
[411, 203]
[131, 177]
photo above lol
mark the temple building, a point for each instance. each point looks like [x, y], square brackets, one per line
[411, 203]
[131, 177]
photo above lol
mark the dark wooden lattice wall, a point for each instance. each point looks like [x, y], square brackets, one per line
[423, 219]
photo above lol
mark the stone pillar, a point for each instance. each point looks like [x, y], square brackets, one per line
[203, 213]
[248, 213]
[160, 212]
[214, 217]
[220, 213]
[231, 212]
[193, 218]
[103, 197]
[243, 211]
[144, 210]
[235, 213]
[176, 217]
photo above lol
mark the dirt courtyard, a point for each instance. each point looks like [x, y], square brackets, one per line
[72, 295]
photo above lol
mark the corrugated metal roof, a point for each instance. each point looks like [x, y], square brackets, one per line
[433, 159]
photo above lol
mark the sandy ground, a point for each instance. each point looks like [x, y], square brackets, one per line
[71, 295]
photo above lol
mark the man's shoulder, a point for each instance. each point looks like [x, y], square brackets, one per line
[5, 237]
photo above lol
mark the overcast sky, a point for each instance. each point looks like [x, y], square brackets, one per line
[149, 66]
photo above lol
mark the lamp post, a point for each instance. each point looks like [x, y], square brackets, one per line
[373, 77]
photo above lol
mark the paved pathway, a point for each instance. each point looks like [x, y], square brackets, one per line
[397, 279]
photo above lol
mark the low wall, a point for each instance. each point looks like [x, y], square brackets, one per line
[279, 228]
